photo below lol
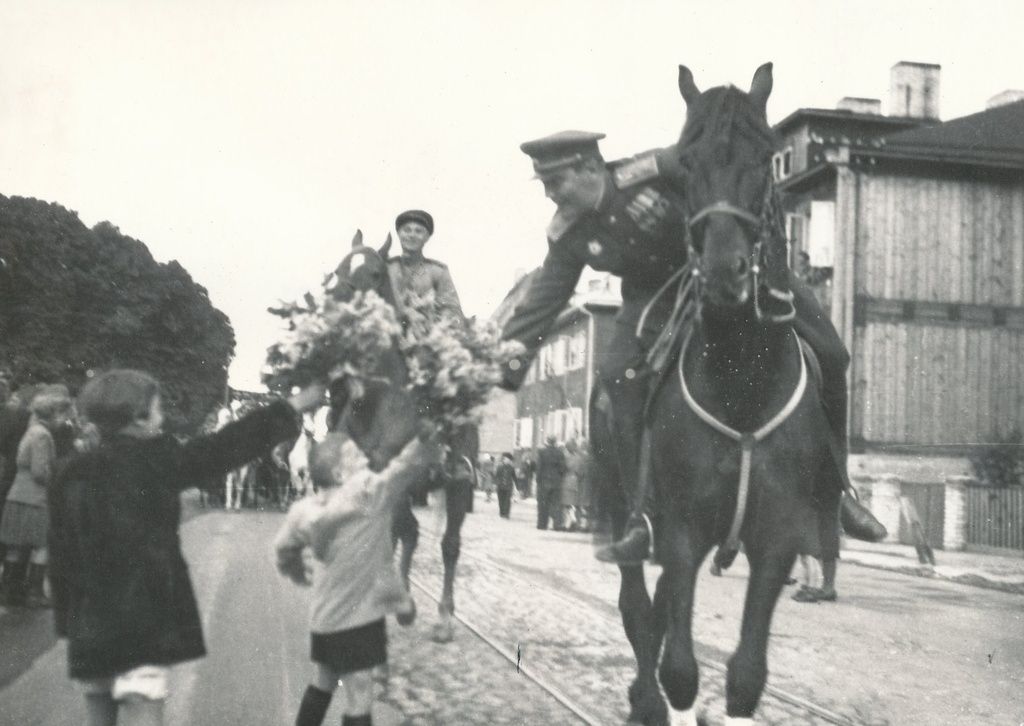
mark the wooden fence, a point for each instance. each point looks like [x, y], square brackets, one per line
[994, 517]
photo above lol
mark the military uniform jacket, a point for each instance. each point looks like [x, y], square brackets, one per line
[637, 232]
[423, 277]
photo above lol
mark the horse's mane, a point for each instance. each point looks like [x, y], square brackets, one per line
[722, 112]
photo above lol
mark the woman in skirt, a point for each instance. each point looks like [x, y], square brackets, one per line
[23, 528]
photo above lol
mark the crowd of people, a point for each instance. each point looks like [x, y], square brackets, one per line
[556, 474]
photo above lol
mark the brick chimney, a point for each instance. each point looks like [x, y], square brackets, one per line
[914, 90]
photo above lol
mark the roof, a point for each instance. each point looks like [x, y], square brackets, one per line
[994, 137]
[839, 114]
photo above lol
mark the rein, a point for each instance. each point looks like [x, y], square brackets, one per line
[746, 440]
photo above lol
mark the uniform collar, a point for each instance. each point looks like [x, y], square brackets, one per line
[413, 259]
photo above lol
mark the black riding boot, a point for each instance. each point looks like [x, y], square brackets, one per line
[856, 519]
[636, 544]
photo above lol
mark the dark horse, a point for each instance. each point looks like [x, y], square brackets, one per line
[740, 449]
[377, 418]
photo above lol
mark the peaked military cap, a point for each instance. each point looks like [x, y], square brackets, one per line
[415, 215]
[560, 150]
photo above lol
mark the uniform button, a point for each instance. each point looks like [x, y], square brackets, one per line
[632, 242]
[653, 258]
[611, 218]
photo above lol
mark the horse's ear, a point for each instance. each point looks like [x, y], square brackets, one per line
[687, 88]
[357, 240]
[383, 251]
[761, 86]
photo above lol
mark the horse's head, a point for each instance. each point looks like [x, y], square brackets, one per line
[363, 269]
[379, 416]
[725, 158]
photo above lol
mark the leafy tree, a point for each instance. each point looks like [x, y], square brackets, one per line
[75, 301]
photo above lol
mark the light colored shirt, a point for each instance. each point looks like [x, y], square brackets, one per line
[348, 530]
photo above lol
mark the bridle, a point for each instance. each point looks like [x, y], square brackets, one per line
[763, 227]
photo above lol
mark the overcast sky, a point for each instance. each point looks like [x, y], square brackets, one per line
[249, 140]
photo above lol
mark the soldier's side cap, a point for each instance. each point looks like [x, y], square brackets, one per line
[415, 215]
[561, 150]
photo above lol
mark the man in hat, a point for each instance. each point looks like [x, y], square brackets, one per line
[628, 219]
[551, 470]
[421, 276]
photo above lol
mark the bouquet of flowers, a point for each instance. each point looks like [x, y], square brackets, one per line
[324, 336]
[453, 364]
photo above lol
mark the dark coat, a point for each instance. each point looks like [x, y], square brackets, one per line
[122, 594]
[551, 467]
[505, 476]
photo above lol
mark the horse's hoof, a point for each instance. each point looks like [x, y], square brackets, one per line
[407, 616]
[646, 709]
[443, 632]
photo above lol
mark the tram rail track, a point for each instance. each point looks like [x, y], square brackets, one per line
[548, 683]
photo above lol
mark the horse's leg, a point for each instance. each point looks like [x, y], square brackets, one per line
[644, 631]
[679, 673]
[748, 666]
[405, 529]
[458, 496]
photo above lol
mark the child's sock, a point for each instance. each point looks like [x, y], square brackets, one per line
[363, 720]
[313, 707]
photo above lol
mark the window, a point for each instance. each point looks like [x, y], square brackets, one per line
[558, 356]
[796, 232]
[524, 433]
[821, 234]
[544, 363]
[578, 351]
[782, 163]
[531, 373]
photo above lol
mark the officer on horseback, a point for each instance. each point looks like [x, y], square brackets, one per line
[628, 218]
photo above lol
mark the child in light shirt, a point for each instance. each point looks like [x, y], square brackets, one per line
[346, 526]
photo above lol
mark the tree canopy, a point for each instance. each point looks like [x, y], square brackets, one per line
[75, 301]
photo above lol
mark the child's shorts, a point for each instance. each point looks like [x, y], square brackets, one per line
[145, 683]
[349, 651]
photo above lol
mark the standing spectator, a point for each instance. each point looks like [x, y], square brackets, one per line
[23, 527]
[505, 481]
[575, 463]
[585, 495]
[528, 468]
[486, 474]
[550, 473]
[14, 418]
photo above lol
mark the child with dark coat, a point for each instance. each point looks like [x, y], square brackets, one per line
[122, 593]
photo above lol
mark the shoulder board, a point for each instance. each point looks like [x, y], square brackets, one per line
[635, 170]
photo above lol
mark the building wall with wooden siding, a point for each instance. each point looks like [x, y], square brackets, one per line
[943, 240]
[937, 309]
[936, 385]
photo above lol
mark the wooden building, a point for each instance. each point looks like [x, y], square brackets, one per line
[913, 232]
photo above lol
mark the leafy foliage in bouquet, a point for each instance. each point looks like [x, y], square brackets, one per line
[453, 364]
[324, 336]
